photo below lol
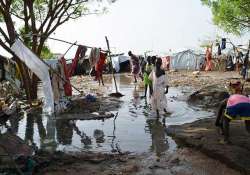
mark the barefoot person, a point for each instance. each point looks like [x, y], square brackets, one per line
[135, 65]
[160, 88]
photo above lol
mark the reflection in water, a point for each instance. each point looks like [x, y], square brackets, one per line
[29, 129]
[158, 135]
[31, 119]
[130, 130]
[14, 123]
[86, 140]
[64, 131]
[135, 102]
[49, 143]
[41, 129]
[99, 136]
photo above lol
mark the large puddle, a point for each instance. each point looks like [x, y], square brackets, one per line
[133, 129]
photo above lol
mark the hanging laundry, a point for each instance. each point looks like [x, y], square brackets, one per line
[67, 86]
[100, 65]
[94, 56]
[223, 43]
[39, 68]
[80, 53]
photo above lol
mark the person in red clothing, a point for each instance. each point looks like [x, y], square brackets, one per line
[99, 67]
[208, 59]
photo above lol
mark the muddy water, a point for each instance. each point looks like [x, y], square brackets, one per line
[134, 129]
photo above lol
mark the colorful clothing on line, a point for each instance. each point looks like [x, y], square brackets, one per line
[67, 86]
[80, 53]
[100, 65]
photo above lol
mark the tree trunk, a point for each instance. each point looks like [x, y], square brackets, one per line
[34, 87]
[25, 78]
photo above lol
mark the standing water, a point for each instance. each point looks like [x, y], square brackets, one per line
[133, 129]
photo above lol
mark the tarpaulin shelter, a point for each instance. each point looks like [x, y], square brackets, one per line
[117, 61]
[186, 60]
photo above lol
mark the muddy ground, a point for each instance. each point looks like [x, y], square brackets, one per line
[183, 160]
[200, 137]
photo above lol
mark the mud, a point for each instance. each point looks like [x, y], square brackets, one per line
[183, 161]
[202, 135]
[134, 141]
[203, 79]
[208, 97]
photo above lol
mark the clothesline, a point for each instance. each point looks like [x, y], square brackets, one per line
[234, 46]
[55, 72]
[67, 42]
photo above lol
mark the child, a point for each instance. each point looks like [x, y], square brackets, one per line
[160, 88]
[147, 81]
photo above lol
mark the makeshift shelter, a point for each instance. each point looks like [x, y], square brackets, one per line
[187, 60]
[121, 63]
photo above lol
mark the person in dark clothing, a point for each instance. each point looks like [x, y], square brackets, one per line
[245, 65]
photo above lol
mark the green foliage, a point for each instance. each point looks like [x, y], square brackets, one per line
[45, 53]
[233, 16]
[40, 18]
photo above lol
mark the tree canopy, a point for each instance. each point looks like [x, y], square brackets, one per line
[232, 16]
[34, 21]
[40, 18]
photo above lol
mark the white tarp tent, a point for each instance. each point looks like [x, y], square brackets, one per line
[39, 68]
[116, 61]
[186, 60]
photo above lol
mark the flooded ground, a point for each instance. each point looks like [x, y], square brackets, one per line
[87, 144]
[133, 129]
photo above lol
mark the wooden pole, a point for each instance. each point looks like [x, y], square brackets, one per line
[107, 41]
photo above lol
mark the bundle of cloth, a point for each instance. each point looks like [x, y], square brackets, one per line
[238, 107]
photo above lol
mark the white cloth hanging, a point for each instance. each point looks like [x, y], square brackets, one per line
[39, 68]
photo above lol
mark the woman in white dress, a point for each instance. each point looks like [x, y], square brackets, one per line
[160, 88]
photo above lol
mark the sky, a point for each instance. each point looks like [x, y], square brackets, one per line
[143, 25]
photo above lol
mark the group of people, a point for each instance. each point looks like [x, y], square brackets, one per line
[155, 79]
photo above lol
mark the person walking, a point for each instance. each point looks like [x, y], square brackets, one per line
[160, 88]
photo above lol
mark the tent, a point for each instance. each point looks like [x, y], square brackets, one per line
[186, 60]
[118, 61]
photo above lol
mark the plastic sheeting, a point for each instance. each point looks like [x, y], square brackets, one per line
[117, 60]
[40, 69]
[186, 60]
